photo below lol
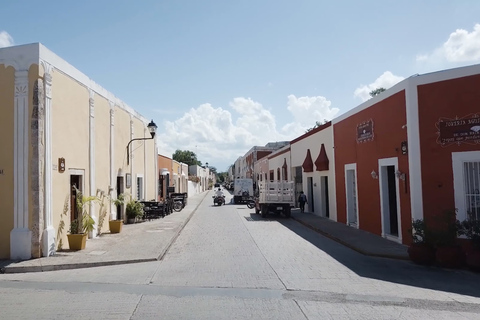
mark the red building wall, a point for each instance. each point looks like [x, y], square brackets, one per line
[451, 99]
[388, 117]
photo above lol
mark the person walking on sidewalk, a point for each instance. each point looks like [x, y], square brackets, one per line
[302, 199]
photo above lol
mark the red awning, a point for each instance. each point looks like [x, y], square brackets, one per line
[308, 163]
[322, 160]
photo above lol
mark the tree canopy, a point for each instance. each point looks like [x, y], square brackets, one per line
[376, 92]
[317, 124]
[187, 157]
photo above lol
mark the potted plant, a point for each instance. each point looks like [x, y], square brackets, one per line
[448, 252]
[471, 230]
[133, 210]
[116, 225]
[83, 224]
[421, 251]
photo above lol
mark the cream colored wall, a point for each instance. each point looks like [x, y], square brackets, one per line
[102, 157]
[70, 140]
[277, 163]
[151, 174]
[122, 137]
[176, 174]
[7, 85]
[314, 143]
[139, 149]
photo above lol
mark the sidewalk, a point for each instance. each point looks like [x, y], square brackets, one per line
[150, 240]
[140, 242]
[359, 240]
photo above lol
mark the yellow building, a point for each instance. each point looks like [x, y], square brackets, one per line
[60, 129]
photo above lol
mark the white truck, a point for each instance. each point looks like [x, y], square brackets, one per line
[242, 190]
[275, 196]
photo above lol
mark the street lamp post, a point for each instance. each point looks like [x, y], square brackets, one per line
[152, 127]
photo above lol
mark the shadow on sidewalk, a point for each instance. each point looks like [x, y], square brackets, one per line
[391, 270]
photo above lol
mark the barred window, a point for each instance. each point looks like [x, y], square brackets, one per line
[471, 174]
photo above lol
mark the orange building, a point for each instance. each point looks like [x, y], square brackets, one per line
[411, 152]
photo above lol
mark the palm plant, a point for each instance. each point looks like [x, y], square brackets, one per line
[84, 222]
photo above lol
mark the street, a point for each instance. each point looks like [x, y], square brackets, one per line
[229, 263]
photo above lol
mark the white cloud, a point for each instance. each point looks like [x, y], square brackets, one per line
[306, 111]
[386, 80]
[462, 46]
[5, 40]
[217, 138]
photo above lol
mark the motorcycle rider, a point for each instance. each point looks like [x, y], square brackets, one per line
[219, 194]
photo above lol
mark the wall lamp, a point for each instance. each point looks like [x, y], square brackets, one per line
[374, 174]
[152, 127]
[400, 175]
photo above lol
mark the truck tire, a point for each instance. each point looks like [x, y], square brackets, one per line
[287, 211]
[264, 210]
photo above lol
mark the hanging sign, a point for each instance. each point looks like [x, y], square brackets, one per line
[457, 131]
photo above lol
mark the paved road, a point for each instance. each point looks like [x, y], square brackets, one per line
[229, 263]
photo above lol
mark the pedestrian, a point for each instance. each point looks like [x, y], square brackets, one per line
[302, 199]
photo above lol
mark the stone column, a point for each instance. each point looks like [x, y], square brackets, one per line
[145, 173]
[132, 147]
[113, 173]
[48, 238]
[38, 167]
[91, 178]
[21, 236]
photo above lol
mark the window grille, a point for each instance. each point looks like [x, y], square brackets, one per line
[471, 174]
[139, 188]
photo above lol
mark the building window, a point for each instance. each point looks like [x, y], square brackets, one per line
[471, 178]
[466, 183]
[140, 188]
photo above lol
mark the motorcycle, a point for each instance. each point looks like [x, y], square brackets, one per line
[218, 200]
[251, 203]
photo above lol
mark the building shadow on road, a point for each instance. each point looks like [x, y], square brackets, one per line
[392, 270]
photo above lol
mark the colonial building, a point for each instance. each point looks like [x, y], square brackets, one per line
[313, 170]
[60, 131]
[411, 152]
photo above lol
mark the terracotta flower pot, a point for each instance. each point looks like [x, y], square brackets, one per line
[77, 241]
[421, 253]
[450, 257]
[115, 226]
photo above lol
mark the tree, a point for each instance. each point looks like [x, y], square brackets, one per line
[187, 157]
[222, 176]
[212, 169]
[317, 124]
[376, 92]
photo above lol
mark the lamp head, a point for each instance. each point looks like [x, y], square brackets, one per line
[152, 127]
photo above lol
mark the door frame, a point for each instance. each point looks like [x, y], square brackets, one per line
[324, 197]
[384, 201]
[80, 173]
[347, 168]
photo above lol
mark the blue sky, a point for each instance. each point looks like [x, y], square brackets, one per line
[219, 77]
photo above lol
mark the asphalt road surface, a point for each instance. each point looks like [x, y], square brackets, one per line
[229, 263]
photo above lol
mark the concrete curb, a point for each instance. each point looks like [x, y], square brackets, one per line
[172, 241]
[348, 245]
[80, 265]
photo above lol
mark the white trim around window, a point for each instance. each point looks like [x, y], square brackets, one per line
[458, 161]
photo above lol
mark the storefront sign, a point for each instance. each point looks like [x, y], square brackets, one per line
[464, 130]
[365, 131]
